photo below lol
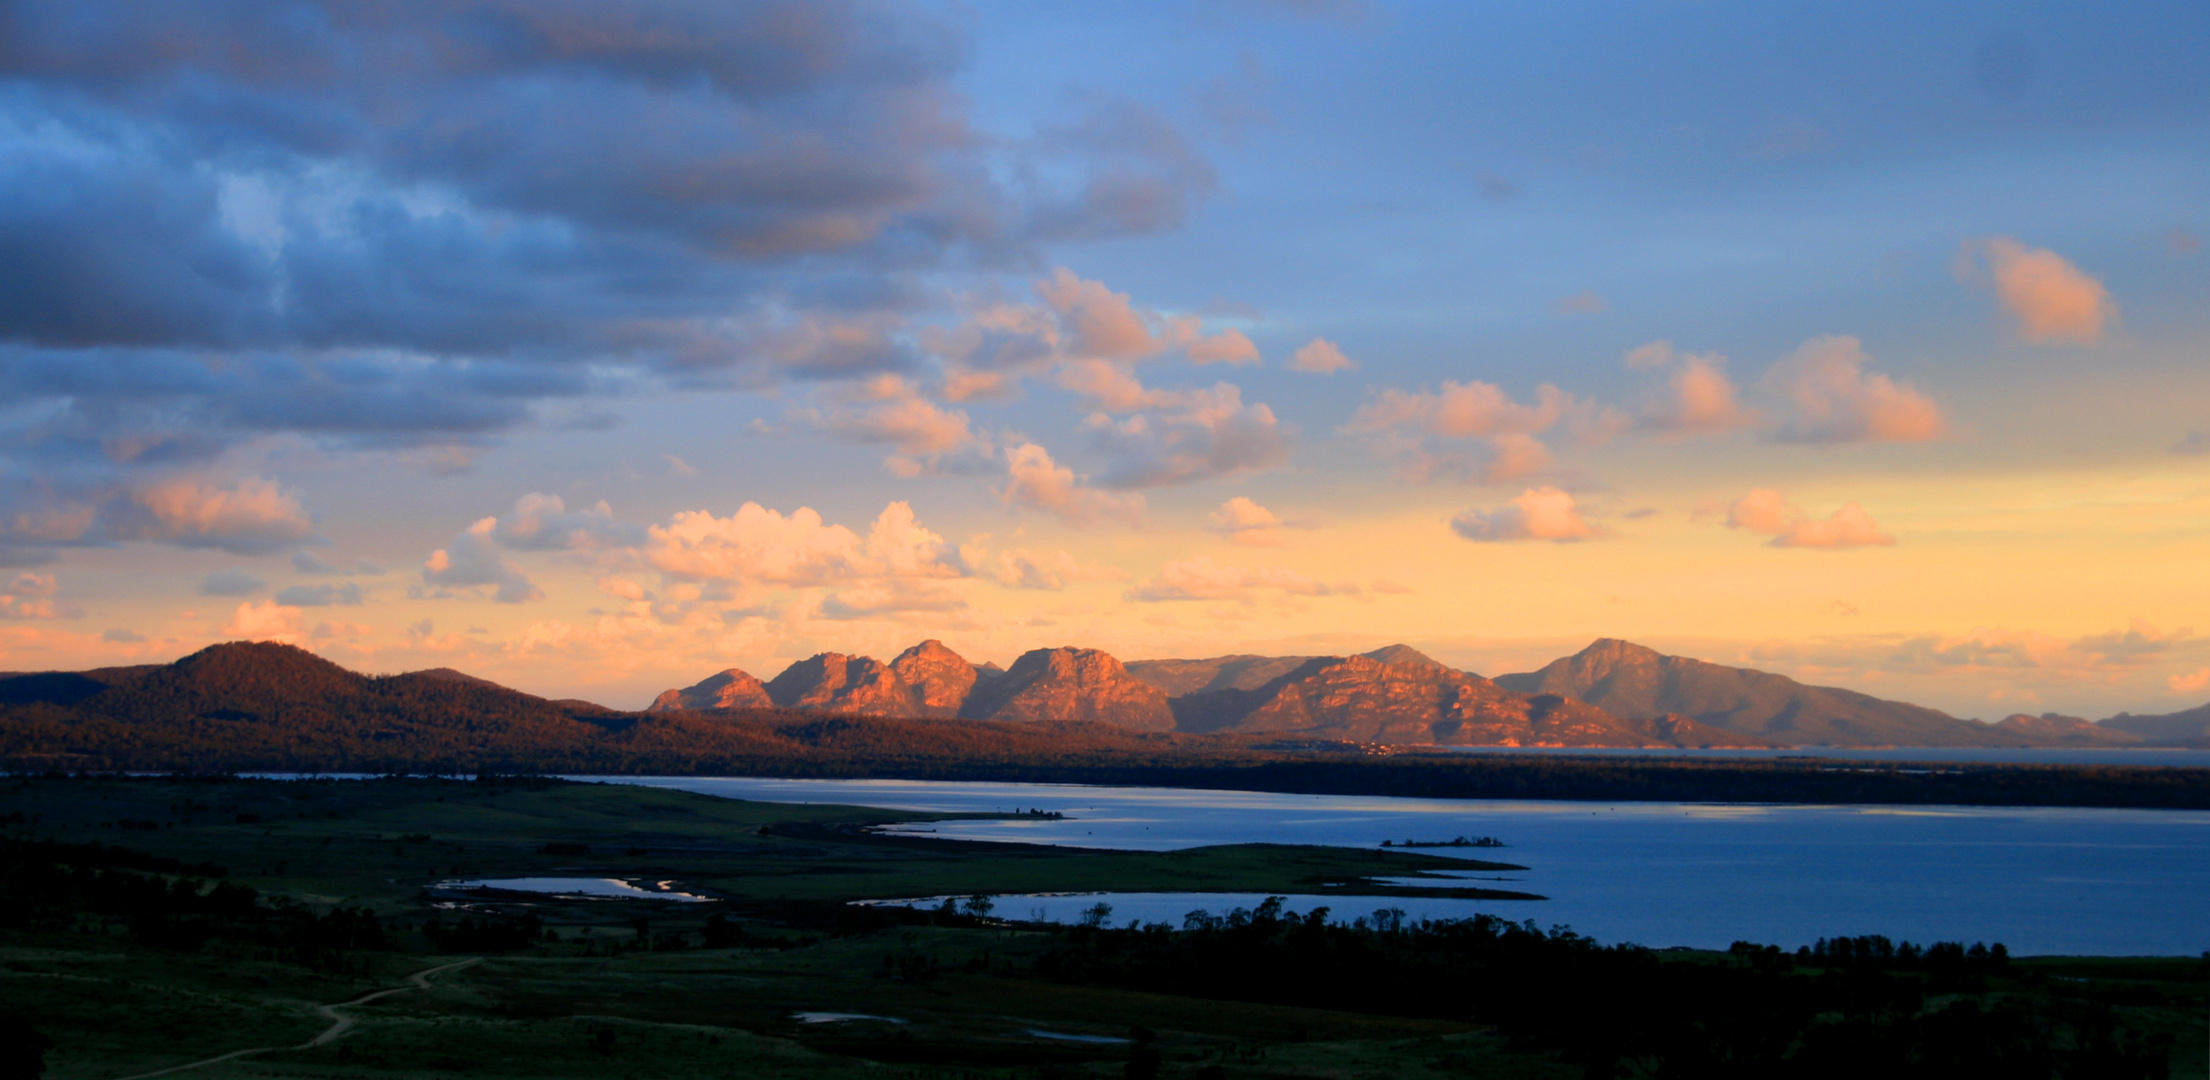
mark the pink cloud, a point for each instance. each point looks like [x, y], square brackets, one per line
[265, 620]
[1543, 513]
[1833, 398]
[1766, 511]
[1225, 347]
[1034, 479]
[1247, 523]
[253, 516]
[1698, 398]
[2052, 299]
[1321, 357]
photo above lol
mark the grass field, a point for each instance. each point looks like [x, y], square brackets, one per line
[609, 998]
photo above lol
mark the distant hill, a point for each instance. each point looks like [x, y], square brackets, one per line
[2188, 728]
[1629, 680]
[1415, 700]
[2051, 729]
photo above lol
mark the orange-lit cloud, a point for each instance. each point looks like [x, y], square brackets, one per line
[265, 620]
[1698, 398]
[1321, 357]
[1543, 513]
[1202, 579]
[2052, 299]
[1034, 479]
[1247, 523]
[1765, 511]
[1832, 397]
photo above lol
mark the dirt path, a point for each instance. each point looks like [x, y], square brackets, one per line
[339, 1022]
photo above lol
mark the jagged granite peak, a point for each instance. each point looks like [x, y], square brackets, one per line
[1241, 671]
[1631, 680]
[1067, 683]
[1361, 699]
[1402, 654]
[731, 689]
[937, 678]
[835, 682]
[2059, 730]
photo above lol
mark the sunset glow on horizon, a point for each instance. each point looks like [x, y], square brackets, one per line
[593, 350]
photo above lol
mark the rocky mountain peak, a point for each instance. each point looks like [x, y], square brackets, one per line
[835, 682]
[938, 678]
[1403, 654]
[730, 689]
[1071, 684]
[1608, 653]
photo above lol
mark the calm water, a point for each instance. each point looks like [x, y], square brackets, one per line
[2108, 882]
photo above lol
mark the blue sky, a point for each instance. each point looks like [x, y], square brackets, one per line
[1862, 343]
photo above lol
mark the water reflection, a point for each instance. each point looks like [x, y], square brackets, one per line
[2041, 880]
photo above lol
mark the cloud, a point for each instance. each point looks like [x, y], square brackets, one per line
[2051, 299]
[30, 596]
[472, 561]
[324, 595]
[409, 229]
[120, 636]
[1999, 649]
[265, 620]
[1580, 303]
[1321, 357]
[1034, 479]
[1202, 579]
[1095, 323]
[1766, 511]
[895, 413]
[542, 522]
[1247, 523]
[1832, 398]
[1543, 513]
[1207, 434]
[231, 583]
[2196, 441]
[1019, 568]
[1698, 398]
[2193, 682]
[1425, 429]
[1495, 188]
[759, 546]
[251, 517]
[1225, 347]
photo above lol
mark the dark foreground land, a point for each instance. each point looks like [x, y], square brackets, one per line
[151, 923]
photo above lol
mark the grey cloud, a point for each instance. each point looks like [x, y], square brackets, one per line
[324, 595]
[122, 637]
[405, 225]
[231, 583]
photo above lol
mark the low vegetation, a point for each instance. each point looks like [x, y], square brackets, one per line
[231, 909]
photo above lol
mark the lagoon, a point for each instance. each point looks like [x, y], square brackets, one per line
[2040, 880]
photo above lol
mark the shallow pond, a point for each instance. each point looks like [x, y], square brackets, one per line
[2040, 880]
[576, 887]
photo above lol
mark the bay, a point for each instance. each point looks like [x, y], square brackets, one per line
[2040, 880]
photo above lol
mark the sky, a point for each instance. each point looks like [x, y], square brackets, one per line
[596, 348]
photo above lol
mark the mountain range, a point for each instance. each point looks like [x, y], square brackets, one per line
[1612, 693]
[263, 705]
